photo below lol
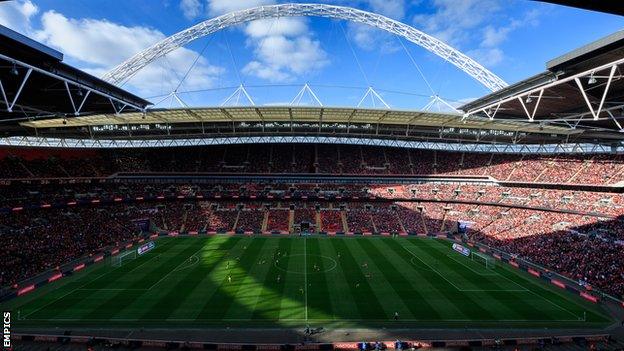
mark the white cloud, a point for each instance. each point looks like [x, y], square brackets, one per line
[164, 75]
[457, 23]
[219, 7]
[97, 42]
[283, 48]
[370, 38]
[191, 8]
[17, 15]
[453, 20]
[488, 57]
[99, 45]
[391, 8]
[287, 26]
[494, 36]
[279, 58]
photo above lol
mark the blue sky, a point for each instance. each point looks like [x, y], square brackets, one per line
[274, 58]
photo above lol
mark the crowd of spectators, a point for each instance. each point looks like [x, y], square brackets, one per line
[359, 219]
[305, 158]
[582, 248]
[385, 219]
[34, 243]
[250, 219]
[278, 220]
[331, 221]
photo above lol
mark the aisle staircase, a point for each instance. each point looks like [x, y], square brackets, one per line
[343, 219]
[265, 221]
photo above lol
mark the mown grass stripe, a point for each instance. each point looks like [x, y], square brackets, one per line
[417, 277]
[109, 307]
[559, 297]
[112, 278]
[383, 287]
[478, 304]
[357, 282]
[506, 302]
[253, 283]
[343, 304]
[189, 306]
[77, 301]
[416, 302]
[292, 304]
[218, 304]
[463, 302]
[167, 299]
[319, 296]
[267, 306]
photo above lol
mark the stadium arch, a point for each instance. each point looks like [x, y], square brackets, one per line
[130, 67]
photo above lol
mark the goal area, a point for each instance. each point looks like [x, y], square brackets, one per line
[119, 260]
[488, 261]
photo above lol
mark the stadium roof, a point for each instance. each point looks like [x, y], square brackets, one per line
[36, 83]
[268, 114]
[608, 6]
[583, 89]
[289, 120]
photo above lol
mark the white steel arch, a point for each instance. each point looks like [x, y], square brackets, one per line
[127, 69]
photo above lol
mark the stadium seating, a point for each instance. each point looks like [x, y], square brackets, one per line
[345, 159]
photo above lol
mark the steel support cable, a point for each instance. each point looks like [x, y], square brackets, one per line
[199, 55]
[227, 43]
[354, 55]
[422, 75]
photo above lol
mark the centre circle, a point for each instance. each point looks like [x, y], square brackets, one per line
[296, 264]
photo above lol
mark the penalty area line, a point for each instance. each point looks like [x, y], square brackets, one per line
[174, 269]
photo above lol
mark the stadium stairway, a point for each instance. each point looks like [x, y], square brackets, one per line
[515, 166]
[238, 213]
[584, 166]
[265, 222]
[343, 219]
[317, 216]
[291, 220]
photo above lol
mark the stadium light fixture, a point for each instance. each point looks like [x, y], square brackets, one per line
[14, 70]
[592, 80]
[528, 99]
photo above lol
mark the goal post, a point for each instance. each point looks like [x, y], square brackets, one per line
[484, 259]
[118, 260]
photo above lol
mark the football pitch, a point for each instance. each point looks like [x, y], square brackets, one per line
[246, 281]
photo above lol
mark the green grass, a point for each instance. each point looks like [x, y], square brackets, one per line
[322, 281]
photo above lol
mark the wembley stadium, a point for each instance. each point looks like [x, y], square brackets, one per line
[327, 220]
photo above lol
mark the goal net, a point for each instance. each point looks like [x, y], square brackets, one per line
[485, 260]
[123, 257]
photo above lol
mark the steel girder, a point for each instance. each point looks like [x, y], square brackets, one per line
[127, 69]
[563, 148]
[530, 100]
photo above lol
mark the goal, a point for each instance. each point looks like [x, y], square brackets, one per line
[117, 261]
[485, 260]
